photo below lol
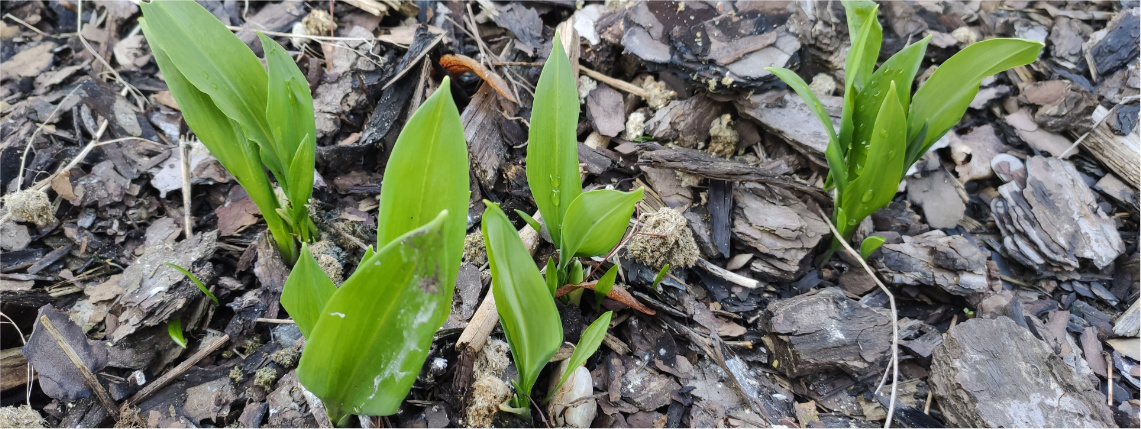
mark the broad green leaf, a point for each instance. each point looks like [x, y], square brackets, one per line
[194, 279]
[865, 34]
[605, 284]
[552, 151]
[306, 291]
[595, 222]
[876, 187]
[225, 140]
[530, 220]
[661, 275]
[900, 69]
[374, 333]
[870, 245]
[587, 344]
[834, 154]
[427, 173]
[526, 308]
[214, 61]
[174, 328]
[941, 102]
[289, 113]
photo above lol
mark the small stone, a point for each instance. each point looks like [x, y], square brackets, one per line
[665, 238]
[475, 252]
[659, 93]
[822, 85]
[30, 205]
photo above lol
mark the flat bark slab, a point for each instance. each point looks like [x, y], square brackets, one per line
[951, 263]
[779, 226]
[826, 330]
[1051, 221]
[993, 373]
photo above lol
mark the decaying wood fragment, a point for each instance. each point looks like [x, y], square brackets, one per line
[779, 226]
[1121, 152]
[951, 263]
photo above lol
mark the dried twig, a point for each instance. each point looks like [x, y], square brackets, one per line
[161, 382]
[894, 319]
[92, 382]
[185, 154]
[620, 85]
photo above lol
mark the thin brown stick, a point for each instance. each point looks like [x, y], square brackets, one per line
[620, 85]
[92, 382]
[927, 404]
[185, 154]
[894, 318]
[1109, 380]
[161, 382]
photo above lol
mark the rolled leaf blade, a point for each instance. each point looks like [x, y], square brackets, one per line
[373, 335]
[289, 113]
[900, 69]
[307, 290]
[866, 35]
[526, 308]
[605, 284]
[596, 221]
[870, 245]
[552, 150]
[880, 180]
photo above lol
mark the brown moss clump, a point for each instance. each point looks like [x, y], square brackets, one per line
[30, 205]
[287, 357]
[475, 251]
[330, 258]
[665, 238]
[658, 93]
[265, 378]
[723, 137]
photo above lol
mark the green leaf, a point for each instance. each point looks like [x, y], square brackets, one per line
[870, 245]
[526, 308]
[306, 292]
[552, 152]
[944, 98]
[877, 186]
[552, 277]
[530, 220]
[587, 344]
[661, 275]
[174, 328]
[900, 69]
[605, 284]
[834, 154]
[214, 61]
[595, 222]
[427, 173]
[374, 333]
[221, 135]
[865, 49]
[289, 113]
[194, 279]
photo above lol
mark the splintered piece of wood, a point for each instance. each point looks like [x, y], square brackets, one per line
[620, 85]
[1121, 153]
[92, 382]
[474, 336]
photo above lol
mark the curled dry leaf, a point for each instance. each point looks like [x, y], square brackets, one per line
[616, 293]
[457, 65]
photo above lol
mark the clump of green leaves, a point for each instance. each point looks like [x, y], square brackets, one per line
[581, 224]
[251, 117]
[368, 339]
[883, 129]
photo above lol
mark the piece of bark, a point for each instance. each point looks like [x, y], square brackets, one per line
[668, 186]
[153, 292]
[13, 368]
[272, 17]
[937, 193]
[779, 226]
[993, 373]
[1035, 136]
[59, 377]
[1128, 322]
[481, 121]
[1121, 153]
[973, 152]
[824, 330]
[1054, 221]
[606, 111]
[951, 263]
[1063, 106]
[1120, 44]
[785, 115]
[686, 121]
[702, 164]
[720, 208]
